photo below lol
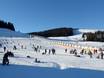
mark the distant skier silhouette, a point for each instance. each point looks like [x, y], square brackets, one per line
[53, 51]
[4, 48]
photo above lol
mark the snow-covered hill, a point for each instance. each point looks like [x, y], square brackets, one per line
[77, 34]
[9, 33]
[25, 47]
[61, 65]
[80, 31]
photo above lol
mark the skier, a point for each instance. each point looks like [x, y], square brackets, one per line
[90, 54]
[102, 54]
[82, 51]
[37, 61]
[4, 48]
[49, 51]
[71, 51]
[53, 51]
[95, 51]
[35, 49]
[0, 45]
[45, 51]
[14, 48]
[74, 51]
[5, 58]
[65, 50]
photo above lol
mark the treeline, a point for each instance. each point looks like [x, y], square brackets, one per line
[97, 36]
[54, 32]
[7, 25]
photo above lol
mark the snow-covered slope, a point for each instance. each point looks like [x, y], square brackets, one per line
[77, 34]
[61, 60]
[89, 30]
[9, 33]
[61, 65]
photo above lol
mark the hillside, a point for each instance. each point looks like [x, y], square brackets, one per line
[61, 64]
[77, 34]
[57, 32]
[9, 33]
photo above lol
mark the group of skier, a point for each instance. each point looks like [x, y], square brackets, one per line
[100, 54]
[49, 51]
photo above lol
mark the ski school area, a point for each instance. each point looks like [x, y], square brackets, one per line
[39, 54]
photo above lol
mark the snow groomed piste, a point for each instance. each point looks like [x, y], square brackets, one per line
[25, 48]
[35, 54]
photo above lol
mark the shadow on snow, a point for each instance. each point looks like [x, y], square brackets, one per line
[21, 71]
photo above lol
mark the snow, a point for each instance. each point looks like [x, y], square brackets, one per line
[9, 33]
[89, 30]
[20, 71]
[77, 34]
[61, 65]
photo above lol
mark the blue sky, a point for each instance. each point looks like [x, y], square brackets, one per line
[38, 15]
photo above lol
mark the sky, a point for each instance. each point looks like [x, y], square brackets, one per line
[39, 15]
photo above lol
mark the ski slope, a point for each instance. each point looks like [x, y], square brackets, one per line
[10, 33]
[61, 65]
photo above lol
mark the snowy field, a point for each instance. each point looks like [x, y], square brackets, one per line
[51, 66]
[60, 65]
